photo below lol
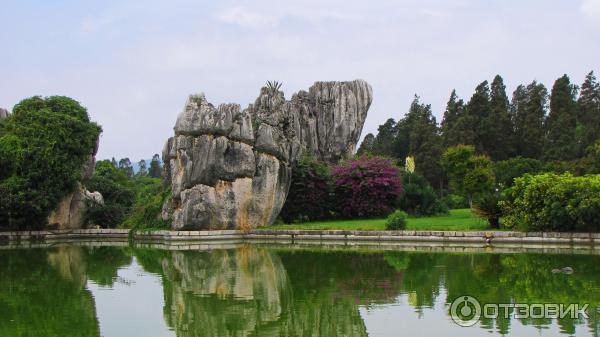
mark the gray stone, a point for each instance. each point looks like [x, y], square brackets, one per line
[3, 113]
[231, 169]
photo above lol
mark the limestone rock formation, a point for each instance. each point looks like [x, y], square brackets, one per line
[3, 113]
[71, 209]
[231, 168]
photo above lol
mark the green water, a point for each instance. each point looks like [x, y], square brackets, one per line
[249, 290]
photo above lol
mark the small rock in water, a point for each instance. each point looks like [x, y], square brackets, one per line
[567, 270]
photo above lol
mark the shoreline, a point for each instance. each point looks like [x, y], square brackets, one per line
[292, 236]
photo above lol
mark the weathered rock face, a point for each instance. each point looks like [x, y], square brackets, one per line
[231, 168]
[70, 211]
[3, 113]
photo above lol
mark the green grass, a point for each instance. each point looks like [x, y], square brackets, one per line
[456, 220]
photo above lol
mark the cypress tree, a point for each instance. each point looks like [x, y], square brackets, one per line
[499, 131]
[451, 128]
[561, 141]
[366, 147]
[528, 110]
[478, 111]
[588, 118]
[384, 142]
[425, 142]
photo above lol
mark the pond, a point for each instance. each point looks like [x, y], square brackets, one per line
[285, 290]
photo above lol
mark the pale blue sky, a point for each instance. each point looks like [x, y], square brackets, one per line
[133, 63]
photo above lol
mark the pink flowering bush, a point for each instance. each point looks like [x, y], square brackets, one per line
[365, 187]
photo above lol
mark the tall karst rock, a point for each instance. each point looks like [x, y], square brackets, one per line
[3, 113]
[230, 168]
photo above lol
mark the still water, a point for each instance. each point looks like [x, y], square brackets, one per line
[258, 290]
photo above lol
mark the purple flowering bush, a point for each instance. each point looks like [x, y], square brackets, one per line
[366, 187]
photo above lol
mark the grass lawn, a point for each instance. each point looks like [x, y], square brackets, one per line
[457, 220]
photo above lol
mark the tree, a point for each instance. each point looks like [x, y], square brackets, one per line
[117, 191]
[453, 130]
[384, 143]
[418, 197]
[507, 170]
[155, 167]
[366, 147]
[367, 186]
[43, 146]
[470, 175]
[478, 111]
[142, 168]
[528, 111]
[498, 124]
[561, 123]
[424, 140]
[114, 162]
[125, 166]
[588, 119]
[309, 195]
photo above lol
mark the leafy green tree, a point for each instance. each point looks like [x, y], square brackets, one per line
[155, 167]
[528, 111]
[366, 147]
[117, 190]
[561, 124]
[454, 129]
[125, 166]
[499, 126]
[142, 168]
[588, 118]
[478, 111]
[507, 170]
[470, 175]
[43, 146]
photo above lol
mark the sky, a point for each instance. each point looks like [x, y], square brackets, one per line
[133, 63]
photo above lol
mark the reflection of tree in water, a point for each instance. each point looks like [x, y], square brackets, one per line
[505, 278]
[42, 293]
[104, 262]
[250, 291]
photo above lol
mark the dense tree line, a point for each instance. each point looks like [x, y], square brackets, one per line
[557, 129]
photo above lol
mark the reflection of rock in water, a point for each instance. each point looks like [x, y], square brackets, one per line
[42, 293]
[224, 292]
[247, 292]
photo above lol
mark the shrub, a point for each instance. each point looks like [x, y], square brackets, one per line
[552, 202]
[419, 198]
[454, 201]
[396, 220]
[309, 195]
[367, 186]
[488, 208]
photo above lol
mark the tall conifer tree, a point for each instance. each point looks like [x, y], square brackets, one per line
[588, 118]
[499, 131]
[561, 141]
